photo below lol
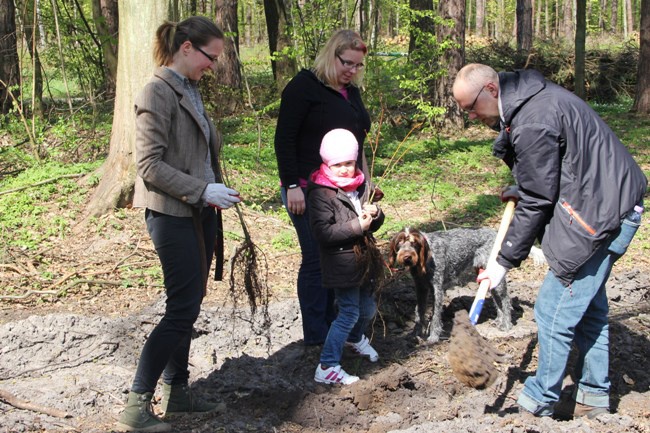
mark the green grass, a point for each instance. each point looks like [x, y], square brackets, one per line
[435, 181]
[34, 214]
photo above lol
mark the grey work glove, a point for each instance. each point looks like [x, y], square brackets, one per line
[494, 272]
[220, 196]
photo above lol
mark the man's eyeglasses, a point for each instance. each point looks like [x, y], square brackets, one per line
[350, 65]
[212, 59]
[471, 107]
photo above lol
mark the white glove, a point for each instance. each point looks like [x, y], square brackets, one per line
[494, 272]
[219, 195]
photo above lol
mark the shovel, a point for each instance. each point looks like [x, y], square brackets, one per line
[470, 356]
[483, 288]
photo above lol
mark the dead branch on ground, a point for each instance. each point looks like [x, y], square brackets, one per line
[19, 403]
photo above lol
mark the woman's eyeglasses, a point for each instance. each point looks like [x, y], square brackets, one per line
[212, 59]
[350, 65]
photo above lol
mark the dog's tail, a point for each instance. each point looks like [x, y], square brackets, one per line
[537, 256]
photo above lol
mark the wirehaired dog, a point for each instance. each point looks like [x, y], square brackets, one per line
[440, 260]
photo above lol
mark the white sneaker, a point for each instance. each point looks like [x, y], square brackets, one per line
[364, 348]
[334, 375]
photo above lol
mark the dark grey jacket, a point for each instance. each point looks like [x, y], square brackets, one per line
[336, 227]
[576, 179]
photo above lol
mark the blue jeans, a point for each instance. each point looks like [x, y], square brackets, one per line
[166, 351]
[316, 302]
[356, 310]
[577, 313]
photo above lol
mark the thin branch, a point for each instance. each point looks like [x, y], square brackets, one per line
[63, 74]
[14, 268]
[30, 134]
[29, 293]
[14, 401]
[43, 182]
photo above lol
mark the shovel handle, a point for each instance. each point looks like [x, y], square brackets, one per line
[483, 288]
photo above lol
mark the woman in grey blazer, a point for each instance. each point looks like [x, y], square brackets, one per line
[179, 184]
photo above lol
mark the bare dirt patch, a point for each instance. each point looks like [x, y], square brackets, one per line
[75, 349]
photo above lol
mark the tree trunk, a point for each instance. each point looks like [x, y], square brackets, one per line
[30, 24]
[567, 20]
[555, 31]
[278, 24]
[642, 97]
[226, 96]
[614, 16]
[500, 28]
[480, 17]
[421, 25]
[547, 19]
[452, 59]
[537, 4]
[9, 67]
[581, 32]
[106, 21]
[248, 23]
[138, 23]
[629, 15]
[375, 18]
[524, 26]
[363, 19]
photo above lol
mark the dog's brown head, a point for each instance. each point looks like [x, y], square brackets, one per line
[409, 248]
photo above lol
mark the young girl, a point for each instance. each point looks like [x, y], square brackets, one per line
[340, 222]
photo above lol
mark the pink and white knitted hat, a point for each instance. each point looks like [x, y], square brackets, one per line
[339, 145]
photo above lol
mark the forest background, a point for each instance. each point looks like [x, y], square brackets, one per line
[70, 70]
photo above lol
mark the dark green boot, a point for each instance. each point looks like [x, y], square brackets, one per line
[178, 399]
[138, 415]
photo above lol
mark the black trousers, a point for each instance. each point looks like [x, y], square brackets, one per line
[167, 349]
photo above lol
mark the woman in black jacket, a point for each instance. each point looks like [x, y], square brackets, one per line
[314, 102]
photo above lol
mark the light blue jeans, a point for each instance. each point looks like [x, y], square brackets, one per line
[356, 310]
[577, 313]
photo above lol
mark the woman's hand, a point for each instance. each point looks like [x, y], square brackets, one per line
[220, 196]
[296, 201]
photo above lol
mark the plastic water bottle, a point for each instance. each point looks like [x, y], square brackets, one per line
[635, 215]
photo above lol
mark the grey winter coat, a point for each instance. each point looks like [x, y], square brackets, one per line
[336, 227]
[576, 179]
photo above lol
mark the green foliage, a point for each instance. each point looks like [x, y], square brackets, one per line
[400, 84]
[440, 172]
[314, 22]
[26, 220]
[249, 164]
[285, 240]
[447, 181]
[81, 56]
[610, 70]
[82, 137]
